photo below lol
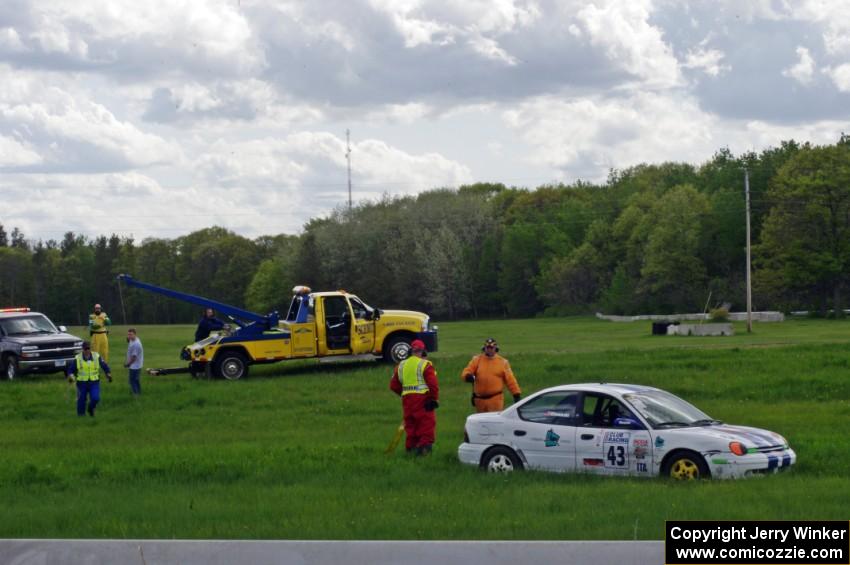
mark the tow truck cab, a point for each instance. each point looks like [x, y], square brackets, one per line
[317, 324]
[339, 323]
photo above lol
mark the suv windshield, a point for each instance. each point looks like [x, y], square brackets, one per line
[27, 325]
[664, 410]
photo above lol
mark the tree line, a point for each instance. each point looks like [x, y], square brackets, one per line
[653, 238]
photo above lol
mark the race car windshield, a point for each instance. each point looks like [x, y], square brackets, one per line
[664, 410]
[27, 325]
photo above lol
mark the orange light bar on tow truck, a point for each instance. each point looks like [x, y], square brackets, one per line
[21, 309]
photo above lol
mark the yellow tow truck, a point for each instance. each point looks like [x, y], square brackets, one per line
[334, 325]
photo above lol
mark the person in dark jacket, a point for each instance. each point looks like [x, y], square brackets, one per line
[207, 324]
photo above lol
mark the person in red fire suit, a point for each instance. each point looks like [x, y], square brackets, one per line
[415, 380]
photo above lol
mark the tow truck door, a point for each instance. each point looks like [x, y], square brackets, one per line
[363, 328]
[336, 325]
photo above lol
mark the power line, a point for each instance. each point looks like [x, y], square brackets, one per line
[348, 159]
[749, 284]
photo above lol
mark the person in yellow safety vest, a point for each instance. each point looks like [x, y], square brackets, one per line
[86, 368]
[415, 380]
[98, 322]
[489, 374]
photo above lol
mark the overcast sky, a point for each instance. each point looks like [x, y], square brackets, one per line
[155, 118]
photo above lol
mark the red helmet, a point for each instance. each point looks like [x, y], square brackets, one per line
[417, 344]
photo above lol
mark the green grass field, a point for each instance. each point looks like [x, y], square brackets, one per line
[296, 450]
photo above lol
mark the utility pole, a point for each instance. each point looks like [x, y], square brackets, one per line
[749, 283]
[348, 158]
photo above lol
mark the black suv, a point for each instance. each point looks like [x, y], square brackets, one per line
[29, 342]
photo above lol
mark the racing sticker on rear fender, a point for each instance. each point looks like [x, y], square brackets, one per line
[615, 449]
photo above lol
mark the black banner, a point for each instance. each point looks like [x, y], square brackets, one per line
[757, 543]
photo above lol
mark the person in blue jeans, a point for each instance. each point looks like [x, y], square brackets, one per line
[86, 369]
[134, 361]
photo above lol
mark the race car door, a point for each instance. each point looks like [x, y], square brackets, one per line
[610, 439]
[545, 430]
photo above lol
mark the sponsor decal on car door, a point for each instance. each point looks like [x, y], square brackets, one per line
[605, 447]
[546, 446]
[545, 433]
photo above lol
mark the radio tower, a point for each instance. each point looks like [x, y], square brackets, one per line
[348, 158]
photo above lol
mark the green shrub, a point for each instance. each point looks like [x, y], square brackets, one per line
[719, 315]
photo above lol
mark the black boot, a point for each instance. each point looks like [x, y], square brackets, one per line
[423, 450]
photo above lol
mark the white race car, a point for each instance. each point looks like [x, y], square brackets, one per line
[619, 429]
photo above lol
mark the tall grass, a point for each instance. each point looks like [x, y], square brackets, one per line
[297, 450]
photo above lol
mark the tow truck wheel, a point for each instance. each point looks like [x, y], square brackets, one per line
[232, 365]
[397, 349]
[11, 368]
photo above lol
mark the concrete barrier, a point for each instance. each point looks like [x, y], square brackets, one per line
[701, 329]
[733, 316]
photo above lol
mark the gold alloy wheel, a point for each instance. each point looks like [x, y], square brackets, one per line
[684, 469]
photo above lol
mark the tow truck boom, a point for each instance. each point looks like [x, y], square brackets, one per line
[249, 323]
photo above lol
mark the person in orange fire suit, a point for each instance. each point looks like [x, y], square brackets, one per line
[489, 374]
[415, 380]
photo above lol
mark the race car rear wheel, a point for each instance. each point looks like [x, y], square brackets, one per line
[232, 365]
[685, 465]
[500, 460]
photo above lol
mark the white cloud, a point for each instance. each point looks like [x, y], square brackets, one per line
[52, 37]
[491, 50]
[69, 132]
[189, 34]
[335, 31]
[13, 153]
[708, 60]
[11, 41]
[834, 17]
[315, 163]
[840, 75]
[630, 41]
[585, 137]
[802, 71]
[400, 113]
[478, 23]
[386, 166]
[415, 30]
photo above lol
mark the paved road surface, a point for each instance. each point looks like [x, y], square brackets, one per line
[161, 552]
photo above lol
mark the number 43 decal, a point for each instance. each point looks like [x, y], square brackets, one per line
[616, 456]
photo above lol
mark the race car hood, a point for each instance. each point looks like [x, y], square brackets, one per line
[485, 418]
[751, 437]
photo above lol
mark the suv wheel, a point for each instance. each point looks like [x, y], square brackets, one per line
[11, 369]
